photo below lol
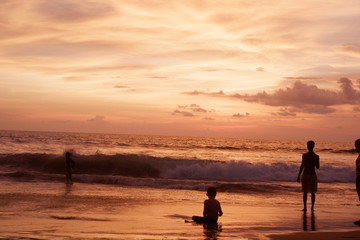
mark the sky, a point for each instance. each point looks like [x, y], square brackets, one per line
[231, 68]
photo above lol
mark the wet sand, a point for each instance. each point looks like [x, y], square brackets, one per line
[43, 210]
[318, 236]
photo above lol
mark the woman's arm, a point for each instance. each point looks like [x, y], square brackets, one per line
[301, 169]
[317, 162]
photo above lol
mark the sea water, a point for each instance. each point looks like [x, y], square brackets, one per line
[111, 158]
[145, 187]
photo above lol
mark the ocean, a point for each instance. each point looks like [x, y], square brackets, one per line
[111, 158]
[128, 173]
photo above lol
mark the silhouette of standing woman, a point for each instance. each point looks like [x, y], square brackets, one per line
[309, 182]
[357, 148]
[69, 165]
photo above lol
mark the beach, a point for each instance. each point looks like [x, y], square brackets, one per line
[133, 120]
[318, 236]
[44, 210]
[149, 187]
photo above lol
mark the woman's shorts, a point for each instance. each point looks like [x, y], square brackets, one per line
[309, 183]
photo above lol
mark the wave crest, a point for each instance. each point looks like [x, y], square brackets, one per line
[28, 166]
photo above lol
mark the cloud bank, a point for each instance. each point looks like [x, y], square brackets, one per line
[300, 97]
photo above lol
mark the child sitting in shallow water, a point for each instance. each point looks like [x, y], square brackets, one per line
[212, 208]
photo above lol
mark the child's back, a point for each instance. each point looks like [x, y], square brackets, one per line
[212, 209]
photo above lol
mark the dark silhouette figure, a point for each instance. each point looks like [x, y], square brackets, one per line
[212, 209]
[309, 182]
[357, 148]
[69, 165]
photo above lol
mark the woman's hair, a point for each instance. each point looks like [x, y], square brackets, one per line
[310, 144]
[357, 142]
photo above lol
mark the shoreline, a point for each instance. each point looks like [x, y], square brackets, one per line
[53, 210]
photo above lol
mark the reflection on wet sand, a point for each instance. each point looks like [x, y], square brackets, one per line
[212, 231]
[68, 189]
[312, 222]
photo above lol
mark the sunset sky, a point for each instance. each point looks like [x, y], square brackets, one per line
[231, 68]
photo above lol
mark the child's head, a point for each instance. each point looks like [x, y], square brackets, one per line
[211, 192]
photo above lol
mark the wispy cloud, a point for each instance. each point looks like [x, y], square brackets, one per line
[75, 79]
[97, 119]
[356, 109]
[191, 110]
[352, 49]
[73, 11]
[285, 112]
[209, 118]
[302, 78]
[121, 87]
[238, 115]
[183, 113]
[64, 48]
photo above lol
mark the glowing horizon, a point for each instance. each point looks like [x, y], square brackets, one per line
[196, 68]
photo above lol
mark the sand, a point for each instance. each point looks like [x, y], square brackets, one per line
[44, 210]
[318, 236]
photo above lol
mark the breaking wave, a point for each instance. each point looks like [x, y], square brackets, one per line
[30, 166]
